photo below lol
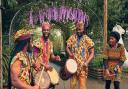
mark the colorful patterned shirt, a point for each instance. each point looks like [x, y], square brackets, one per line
[24, 74]
[112, 58]
[80, 47]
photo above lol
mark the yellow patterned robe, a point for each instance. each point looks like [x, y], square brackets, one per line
[113, 57]
[81, 51]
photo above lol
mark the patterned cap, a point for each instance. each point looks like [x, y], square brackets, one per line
[22, 34]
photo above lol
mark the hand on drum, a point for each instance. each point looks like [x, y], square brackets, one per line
[72, 56]
[35, 87]
[57, 58]
[48, 67]
[107, 72]
[37, 66]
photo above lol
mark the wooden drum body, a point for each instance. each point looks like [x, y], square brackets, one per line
[69, 69]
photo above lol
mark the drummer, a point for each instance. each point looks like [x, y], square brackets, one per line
[19, 68]
[46, 46]
[80, 48]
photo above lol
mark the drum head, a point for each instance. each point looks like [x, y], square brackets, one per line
[45, 80]
[54, 77]
[71, 66]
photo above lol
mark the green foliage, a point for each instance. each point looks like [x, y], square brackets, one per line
[125, 70]
[10, 3]
[118, 13]
[97, 62]
[5, 63]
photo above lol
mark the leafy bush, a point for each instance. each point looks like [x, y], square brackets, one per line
[97, 62]
[5, 63]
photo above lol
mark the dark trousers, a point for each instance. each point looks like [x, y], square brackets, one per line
[116, 84]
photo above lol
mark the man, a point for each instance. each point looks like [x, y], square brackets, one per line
[19, 69]
[80, 48]
[46, 46]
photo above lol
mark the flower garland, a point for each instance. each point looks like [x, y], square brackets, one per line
[61, 14]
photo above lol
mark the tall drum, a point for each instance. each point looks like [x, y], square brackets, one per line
[45, 80]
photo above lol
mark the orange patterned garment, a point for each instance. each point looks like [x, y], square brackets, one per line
[113, 58]
[24, 75]
[80, 47]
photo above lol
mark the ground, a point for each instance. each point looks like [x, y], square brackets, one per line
[93, 83]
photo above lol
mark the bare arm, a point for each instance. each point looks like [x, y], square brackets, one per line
[69, 52]
[91, 55]
[52, 56]
[57, 58]
[15, 70]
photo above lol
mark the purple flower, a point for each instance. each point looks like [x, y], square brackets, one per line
[31, 18]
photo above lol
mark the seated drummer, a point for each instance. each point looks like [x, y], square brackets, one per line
[46, 46]
[19, 67]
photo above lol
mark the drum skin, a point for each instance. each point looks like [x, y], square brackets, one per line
[71, 66]
[45, 80]
[54, 77]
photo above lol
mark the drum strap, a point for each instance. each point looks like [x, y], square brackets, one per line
[40, 76]
[45, 51]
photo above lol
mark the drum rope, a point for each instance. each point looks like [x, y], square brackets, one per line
[40, 76]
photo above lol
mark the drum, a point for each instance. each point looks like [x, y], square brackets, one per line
[45, 80]
[68, 70]
[54, 77]
[71, 66]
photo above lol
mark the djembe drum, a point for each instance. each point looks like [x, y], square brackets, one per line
[69, 69]
[42, 79]
[47, 78]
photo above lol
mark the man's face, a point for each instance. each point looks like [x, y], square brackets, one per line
[45, 31]
[80, 28]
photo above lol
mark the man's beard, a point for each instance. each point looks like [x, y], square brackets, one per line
[45, 36]
[29, 48]
[79, 34]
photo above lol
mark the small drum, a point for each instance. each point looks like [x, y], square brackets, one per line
[45, 80]
[71, 66]
[54, 77]
[69, 69]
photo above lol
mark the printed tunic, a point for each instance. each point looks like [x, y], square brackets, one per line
[80, 48]
[24, 74]
[112, 58]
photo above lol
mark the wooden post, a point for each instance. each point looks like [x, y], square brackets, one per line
[1, 84]
[105, 24]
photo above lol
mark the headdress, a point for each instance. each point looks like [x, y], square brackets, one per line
[22, 34]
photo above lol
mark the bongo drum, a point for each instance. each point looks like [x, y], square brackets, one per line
[69, 69]
[54, 77]
[44, 82]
